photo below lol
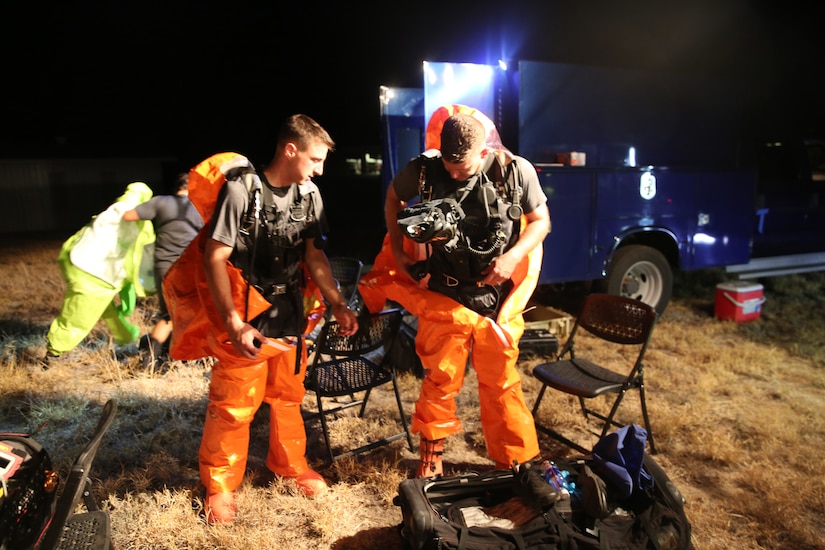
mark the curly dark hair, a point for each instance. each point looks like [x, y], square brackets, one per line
[461, 135]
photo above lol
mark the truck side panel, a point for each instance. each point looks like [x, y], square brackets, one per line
[703, 214]
[568, 247]
[790, 199]
[728, 198]
[694, 218]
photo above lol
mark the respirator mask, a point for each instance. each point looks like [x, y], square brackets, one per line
[433, 222]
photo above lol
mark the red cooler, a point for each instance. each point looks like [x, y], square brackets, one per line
[739, 301]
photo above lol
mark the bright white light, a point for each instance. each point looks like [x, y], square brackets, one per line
[386, 94]
[430, 75]
[703, 238]
[631, 156]
[647, 186]
[502, 64]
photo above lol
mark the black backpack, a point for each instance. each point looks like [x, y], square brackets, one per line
[443, 512]
[28, 493]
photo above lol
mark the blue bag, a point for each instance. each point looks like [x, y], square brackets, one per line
[617, 459]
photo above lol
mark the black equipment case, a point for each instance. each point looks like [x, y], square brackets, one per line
[493, 511]
[538, 342]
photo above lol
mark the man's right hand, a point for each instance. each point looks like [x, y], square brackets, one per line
[244, 341]
[404, 261]
[405, 264]
[417, 270]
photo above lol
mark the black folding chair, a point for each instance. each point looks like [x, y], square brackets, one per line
[614, 319]
[89, 530]
[348, 365]
[347, 273]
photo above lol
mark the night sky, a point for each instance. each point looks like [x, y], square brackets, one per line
[185, 79]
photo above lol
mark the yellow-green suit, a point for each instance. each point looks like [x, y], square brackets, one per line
[98, 263]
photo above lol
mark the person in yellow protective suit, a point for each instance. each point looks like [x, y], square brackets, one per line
[252, 257]
[100, 262]
[478, 274]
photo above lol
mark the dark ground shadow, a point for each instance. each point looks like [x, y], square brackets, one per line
[567, 297]
[378, 538]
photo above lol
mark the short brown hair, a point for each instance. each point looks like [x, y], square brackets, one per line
[181, 182]
[460, 136]
[303, 131]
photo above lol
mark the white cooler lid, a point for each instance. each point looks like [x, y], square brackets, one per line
[739, 286]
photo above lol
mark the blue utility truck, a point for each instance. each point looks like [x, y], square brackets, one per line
[646, 173]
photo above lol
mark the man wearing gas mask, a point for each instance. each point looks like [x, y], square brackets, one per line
[478, 230]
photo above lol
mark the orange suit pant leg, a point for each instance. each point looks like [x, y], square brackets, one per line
[509, 431]
[287, 433]
[236, 392]
[443, 349]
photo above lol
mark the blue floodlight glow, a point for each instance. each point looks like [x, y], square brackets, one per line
[406, 102]
[463, 83]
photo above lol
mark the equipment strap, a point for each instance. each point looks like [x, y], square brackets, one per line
[255, 193]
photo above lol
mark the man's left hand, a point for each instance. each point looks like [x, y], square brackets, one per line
[346, 319]
[499, 271]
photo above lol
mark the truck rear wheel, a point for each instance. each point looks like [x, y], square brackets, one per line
[642, 273]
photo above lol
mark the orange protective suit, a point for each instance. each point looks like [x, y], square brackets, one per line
[449, 333]
[238, 386]
[237, 389]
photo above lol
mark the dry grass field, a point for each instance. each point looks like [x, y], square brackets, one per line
[738, 412]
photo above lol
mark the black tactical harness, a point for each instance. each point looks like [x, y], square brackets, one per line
[270, 251]
[486, 213]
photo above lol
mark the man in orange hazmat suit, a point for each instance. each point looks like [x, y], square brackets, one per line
[265, 236]
[465, 259]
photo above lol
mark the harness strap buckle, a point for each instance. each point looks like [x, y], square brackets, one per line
[275, 289]
[449, 280]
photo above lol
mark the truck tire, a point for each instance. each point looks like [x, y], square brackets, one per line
[642, 273]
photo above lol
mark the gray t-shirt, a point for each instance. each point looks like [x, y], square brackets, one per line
[176, 222]
[279, 208]
[294, 214]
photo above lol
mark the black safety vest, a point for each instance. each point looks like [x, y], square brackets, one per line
[270, 244]
[490, 202]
